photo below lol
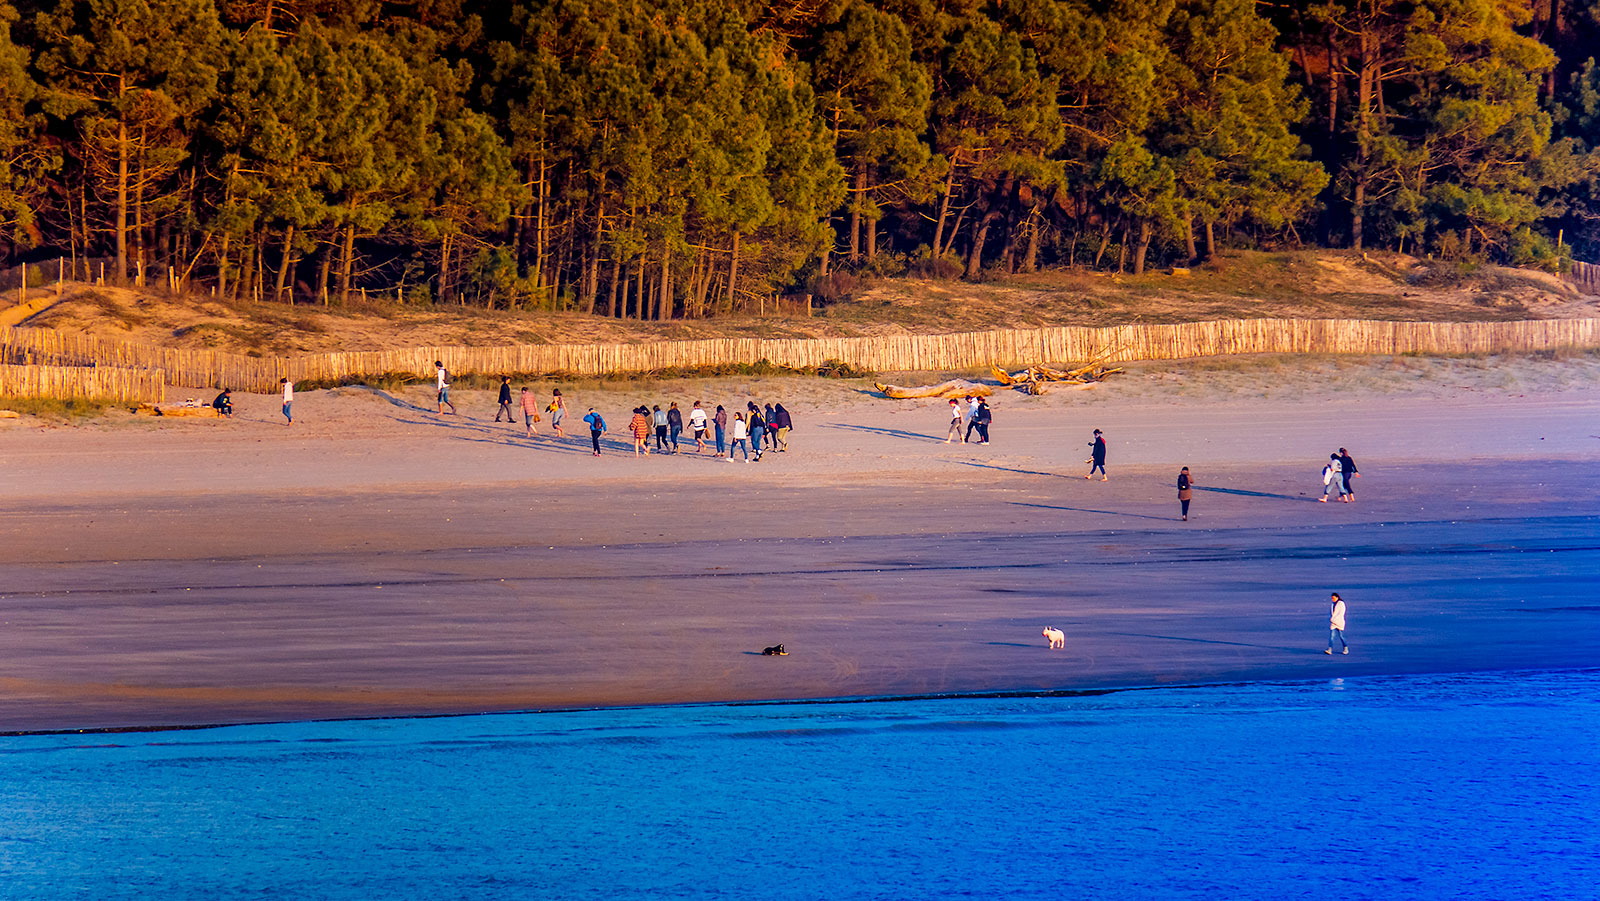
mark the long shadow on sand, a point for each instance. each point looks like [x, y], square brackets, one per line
[1026, 472]
[1105, 512]
[1243, 493]
[893, 433]
[1241, 644]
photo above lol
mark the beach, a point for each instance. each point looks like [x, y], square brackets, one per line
[377, 559]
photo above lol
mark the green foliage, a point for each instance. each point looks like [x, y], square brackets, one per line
[684, 158]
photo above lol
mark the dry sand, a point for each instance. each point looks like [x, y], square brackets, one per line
[376, 558]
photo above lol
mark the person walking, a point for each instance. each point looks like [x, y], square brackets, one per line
[441, 382]
[972, 416]
[558, 411]
[674, 424]
[505, 401]
[739, 442]
[757, 428]
[982, 418]
[697, 425]
[720, 421]
[288, 399]
[1336, 625]
[1097, 456]
[784, 424]
[597, 427]
[530, 413]
[1332, 478]
[639, 425]
[658, 416]
[955, 423]
[1185, 489]
[1347, 471]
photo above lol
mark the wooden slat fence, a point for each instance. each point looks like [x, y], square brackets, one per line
[86, 382]
[892, 353]
[1586, 276]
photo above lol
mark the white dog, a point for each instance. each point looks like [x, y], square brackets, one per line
[1058, 638]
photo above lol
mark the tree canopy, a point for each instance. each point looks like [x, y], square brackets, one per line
[658, 159]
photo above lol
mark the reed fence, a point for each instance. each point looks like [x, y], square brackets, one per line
[83, 382]
[891, 353]
[1586, 276]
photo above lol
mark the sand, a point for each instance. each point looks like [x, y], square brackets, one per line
[377, 559]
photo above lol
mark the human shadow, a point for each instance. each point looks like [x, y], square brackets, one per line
[391, 399]
[1026, 472]
[893, 433]
[1241, 644]
[1243, 493]
[1105, 512]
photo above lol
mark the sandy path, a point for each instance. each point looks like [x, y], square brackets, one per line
[384, 560]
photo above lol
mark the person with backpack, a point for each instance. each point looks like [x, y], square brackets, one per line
[757, 427]
[982, 418]
[597, 427]
[674, 424]
[441, 382]
[558, 412]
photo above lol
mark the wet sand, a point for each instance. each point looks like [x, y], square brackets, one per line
[386, 561]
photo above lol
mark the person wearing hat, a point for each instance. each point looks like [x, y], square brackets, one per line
[1098, 459]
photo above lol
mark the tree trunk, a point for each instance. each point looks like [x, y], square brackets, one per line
[283, 263]
[1105, 242]
[1211, 239]
[616, 276]
[980, 234]
[1188, 238]
[664, 304]
[222, 265]
[122, 188]
[1144, 246]
[1122, 252]
[859, 191]
[1030, 256]
[324, 267]
[1364, 90]
[733, 269]
[345, 264]
[944, 211]
[592, 285]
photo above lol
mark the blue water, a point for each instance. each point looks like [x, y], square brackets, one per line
[1480, 786]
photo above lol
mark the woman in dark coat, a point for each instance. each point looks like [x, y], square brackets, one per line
[1185, 486]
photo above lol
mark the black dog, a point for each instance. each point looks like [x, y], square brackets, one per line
[776, 651]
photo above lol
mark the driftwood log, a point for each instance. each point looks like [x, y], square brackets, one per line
[952, 388]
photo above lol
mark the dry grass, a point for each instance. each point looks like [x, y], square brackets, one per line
[1310, 284]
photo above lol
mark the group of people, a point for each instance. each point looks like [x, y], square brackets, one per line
[1337, 475]
[751, 432]
[971, 413]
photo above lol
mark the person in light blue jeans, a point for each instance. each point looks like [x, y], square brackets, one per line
[1336, 625]
[758, 428]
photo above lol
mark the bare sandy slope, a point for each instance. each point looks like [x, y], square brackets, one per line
[376, 558]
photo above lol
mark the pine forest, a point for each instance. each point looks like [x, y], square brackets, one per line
[660, 159]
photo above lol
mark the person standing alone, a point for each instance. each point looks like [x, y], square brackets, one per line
[1336, 625]
[441, 381]
[1097, 459]
[1185, 491]
[597, 427]
[288, 399]
[505, 401]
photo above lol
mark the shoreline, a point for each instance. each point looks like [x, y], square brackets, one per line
[182, 574]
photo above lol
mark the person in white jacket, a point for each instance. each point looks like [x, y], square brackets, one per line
[1336, 625]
